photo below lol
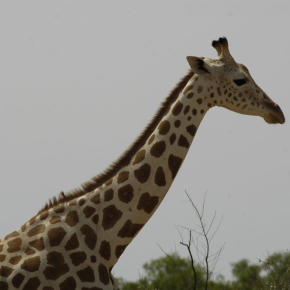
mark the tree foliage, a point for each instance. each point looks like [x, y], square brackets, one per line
[172, 272]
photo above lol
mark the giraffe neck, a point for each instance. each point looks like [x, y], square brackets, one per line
[129, 199]
[77, 242]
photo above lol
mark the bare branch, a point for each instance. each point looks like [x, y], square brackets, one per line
[200, 234]
[179, 232]
[203, 204]
[217, 228]
[211, 223]
[191, 259]
[209, 260]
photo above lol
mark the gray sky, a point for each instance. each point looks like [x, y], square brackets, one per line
[78, 82]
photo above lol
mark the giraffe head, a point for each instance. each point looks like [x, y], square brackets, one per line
[234, 88]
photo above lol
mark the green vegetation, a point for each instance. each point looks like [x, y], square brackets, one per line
[175, 273]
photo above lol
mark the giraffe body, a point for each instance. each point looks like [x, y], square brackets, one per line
[75, 241]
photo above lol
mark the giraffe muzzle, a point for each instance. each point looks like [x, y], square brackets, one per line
[274, 114]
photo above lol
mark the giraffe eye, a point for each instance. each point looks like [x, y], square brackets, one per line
[240, 82]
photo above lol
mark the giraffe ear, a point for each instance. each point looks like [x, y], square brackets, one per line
[198, 65]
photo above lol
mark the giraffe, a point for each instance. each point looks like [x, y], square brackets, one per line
[75, 240]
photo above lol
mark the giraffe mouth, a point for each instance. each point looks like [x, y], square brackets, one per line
[274, 114]
[271, 119]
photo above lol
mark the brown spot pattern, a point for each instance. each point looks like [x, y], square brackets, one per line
[59, 208]
[96, 199]
[140, 156]
[108, 195]
[190, 95]
[111, 215]
[109, 182]
[78, 258]
[160, 177]
[55, 219]
[2, 258]
[57, 266]
[93, 259]
[186, 110]
[68, 284]
[103, 274]
[14, 245]
[37, 244]
[86, 275]
[72, 243]
[174, 163]
[147, 202]
[12, 235]
[158, 149]
[125, 193]
[119, 250]
[17, 280]
[29, 251]
[36, 230]
[191, 129]
[194, 112]
[31, 264]
[3, 285]
[90, 236]
[72, 218]
[142, 173]
[123, 176]
[32, 220]
[15, 260]
[55, 258]
[177, 108]
[82, 201]
[151, 139]
[199, 89]
[73, 202]
[129, 229]
[5, 271]
[183, 142]
[105, 250]
[164, 127]
[172, 138]
[177, 123]
[32, 284]
[55, 236]
[89, 211]
[95, 219]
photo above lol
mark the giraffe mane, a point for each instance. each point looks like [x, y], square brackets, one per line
[126, 157]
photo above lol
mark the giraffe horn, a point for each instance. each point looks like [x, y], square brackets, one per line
[221, 46]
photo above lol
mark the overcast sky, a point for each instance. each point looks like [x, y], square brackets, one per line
[80, 79]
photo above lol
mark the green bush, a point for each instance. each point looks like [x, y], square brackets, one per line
[175, 273]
